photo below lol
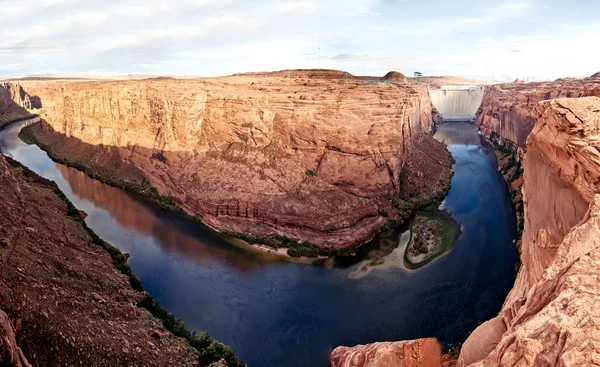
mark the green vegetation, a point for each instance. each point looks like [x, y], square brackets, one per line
[295, 248]
[431, 224]
[209, 349]
[511, 171]
[309, 172]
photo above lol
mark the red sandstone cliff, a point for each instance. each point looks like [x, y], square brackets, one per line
[394, 76]
[15, 103]
[310, 159]
[549, 317]
[507, 109]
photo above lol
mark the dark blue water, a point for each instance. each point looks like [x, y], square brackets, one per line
[285, 314]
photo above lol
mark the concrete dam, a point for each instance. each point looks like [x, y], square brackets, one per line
[457, 103]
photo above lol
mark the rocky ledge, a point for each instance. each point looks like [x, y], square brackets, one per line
[412, 353]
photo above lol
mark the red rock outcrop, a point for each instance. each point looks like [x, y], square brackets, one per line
[413, 353]
[507, 109]
[15, 103]
[548, 319]
[62, 300]
[309, 159]
[10, 353]
[549, 314]
[596, 76]
[394, 76]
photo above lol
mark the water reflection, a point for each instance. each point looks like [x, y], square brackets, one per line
[458, 133]
[174, 234]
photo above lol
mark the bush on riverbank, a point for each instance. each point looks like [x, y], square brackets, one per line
[295, 248]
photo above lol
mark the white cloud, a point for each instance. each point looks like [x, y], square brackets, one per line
[362, 36]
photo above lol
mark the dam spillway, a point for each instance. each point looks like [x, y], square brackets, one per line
[457, 103]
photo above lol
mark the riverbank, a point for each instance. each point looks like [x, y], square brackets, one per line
[207, 350]
[60, 288]
[430, 162]
[509, 157]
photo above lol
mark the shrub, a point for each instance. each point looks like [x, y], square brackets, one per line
[309, 172]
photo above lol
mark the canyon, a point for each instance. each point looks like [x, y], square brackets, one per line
[314, 157]
[548, 317]
[264, 157]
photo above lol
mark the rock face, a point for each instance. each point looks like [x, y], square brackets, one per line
[10, 353]
[413, 353]
[596, 76]
[394, 76]
[14, 103]
[47, 263]
[310, 159]
[507, 109]
[66, 302]
[549, 315]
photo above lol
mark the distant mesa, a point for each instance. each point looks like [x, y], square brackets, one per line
[518, 81]
[566, 79]
[304, 74]
[394, 76]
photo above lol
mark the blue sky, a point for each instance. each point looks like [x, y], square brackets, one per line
[485, 39]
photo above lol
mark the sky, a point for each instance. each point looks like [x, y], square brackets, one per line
[500, 40]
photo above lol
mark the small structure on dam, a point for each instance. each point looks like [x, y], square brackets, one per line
[457, 103]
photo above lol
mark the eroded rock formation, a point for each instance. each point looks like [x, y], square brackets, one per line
[394, 76]
[507, 109]
[15, 103]
[413, 353]
[310, 159]
[548, 318]
[549, 314]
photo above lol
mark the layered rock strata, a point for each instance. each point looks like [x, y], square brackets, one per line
[413, 353]
[15, 103]
[549, 313]
[548, 317]
[317, 160]
[507, 109]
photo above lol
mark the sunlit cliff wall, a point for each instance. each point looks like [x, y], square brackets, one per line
[548, 318]
[307, 158]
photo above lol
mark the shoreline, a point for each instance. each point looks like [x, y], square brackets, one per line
[450, 234]
[120, 263]
[241, 240]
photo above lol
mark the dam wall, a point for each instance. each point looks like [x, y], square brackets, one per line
[457, 103]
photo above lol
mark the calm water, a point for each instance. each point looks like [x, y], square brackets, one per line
[283, 314]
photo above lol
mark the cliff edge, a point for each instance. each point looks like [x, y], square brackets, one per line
[549, 314]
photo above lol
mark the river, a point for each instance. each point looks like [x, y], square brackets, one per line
[275, 313]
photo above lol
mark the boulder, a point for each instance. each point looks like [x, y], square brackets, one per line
[482, 341]
[412, 353]
[10, 353]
